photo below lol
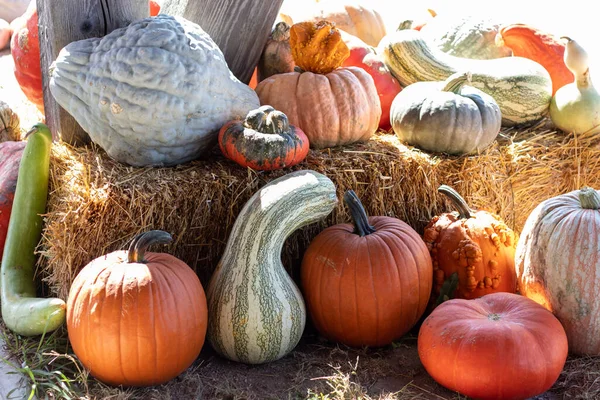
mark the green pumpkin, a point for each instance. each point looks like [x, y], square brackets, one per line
[447, 117]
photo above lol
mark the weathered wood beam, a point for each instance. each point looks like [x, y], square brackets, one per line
[64, 21]
[239, 27]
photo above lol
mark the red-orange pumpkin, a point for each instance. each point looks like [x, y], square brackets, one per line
[365, 57]
[332, 105]
[501, 346]
[476, 245]
[137, 318]
[263, 141]
[366, 284]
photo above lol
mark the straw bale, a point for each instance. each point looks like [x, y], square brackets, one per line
[97, 205]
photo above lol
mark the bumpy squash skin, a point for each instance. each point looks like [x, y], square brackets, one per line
[263, 144]
[10, 158]
[521, 87]
[256, 311]
[557, 263]
[426, 116]
[501, 346]
[276, 57]
[154, 93]
[10, 124]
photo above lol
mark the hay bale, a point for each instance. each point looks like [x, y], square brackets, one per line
[96, 204]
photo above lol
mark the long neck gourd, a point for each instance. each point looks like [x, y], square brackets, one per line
[256, 311]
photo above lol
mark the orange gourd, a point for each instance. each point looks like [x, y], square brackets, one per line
[332, 105]
[501, 346]
[137, 318]
[476, 245]
[366, 284]
[539, 46]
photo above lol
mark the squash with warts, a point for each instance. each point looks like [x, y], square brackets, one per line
[23, 312]
[521, 87]
[450, 117]
[276, 57]
[558, 259]
[137, 318]
[477, 245]
[498, 347]
[332, 105]
[256, 312]
[366, 284]
[10, 128]
[542, 47]
[263, 141]
[576, 106]
[179, 91]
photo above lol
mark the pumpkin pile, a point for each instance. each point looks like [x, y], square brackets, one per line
[160, 93]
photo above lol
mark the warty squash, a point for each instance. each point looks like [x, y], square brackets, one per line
[449, 117]
[137, 318]
[521, 87]
[557, 261]
[366, 283]
[10, 128]
[256, 311]
[276, 57]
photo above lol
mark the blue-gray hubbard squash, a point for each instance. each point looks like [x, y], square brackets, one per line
[153, 93]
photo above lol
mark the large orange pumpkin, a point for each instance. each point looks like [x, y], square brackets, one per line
[366, 284]
[476, 245]
[501, 346]
[558, 259]
[332, 105]
[137, 318]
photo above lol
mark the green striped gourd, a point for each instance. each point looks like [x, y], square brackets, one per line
[256, 311]
[521, 87]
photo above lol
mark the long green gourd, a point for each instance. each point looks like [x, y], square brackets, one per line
[22, 312]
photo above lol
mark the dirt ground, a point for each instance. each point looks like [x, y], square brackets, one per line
[316, 369]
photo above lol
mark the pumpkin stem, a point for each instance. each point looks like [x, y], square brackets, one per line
[359, 215]
[456, 81]
[464, 211]
[140, 243]
[589, 199]
[281, 32]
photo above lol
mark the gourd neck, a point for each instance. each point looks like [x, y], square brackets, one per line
[464, 211]
[359, 215]
[281, 32]
[266, 119]
[576, 60]
[140, 243]
[589, 199]
[455, 82]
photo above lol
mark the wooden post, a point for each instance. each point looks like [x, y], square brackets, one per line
[239, 27]
[64, 21]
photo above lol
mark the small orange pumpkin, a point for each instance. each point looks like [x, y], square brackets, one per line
[137, 318]
[366, 284]
[476, 245]
[332, 105]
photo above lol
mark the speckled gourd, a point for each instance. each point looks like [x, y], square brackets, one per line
[153, 93]
[256, 311]
[521, 87]
[557, 264]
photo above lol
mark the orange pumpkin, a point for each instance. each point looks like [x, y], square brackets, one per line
[539, 46]
[476, 245]
[137, 318]
[498, 347]
[332, 105]
[366, 284]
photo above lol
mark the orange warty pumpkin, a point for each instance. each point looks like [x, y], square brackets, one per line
[366, 284]
[539, 46]
[334, 108]
[501, 346]
[476, 245]
[137, 318]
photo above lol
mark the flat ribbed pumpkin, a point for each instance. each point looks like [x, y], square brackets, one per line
[332, 105]
[256, 311]
[366, 284]
[136, 318]
[557, 261]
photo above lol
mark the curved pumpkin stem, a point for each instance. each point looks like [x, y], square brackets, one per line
[464, 211]
[140, 243]
[359, 215]
[589, 199]
[456, 81]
